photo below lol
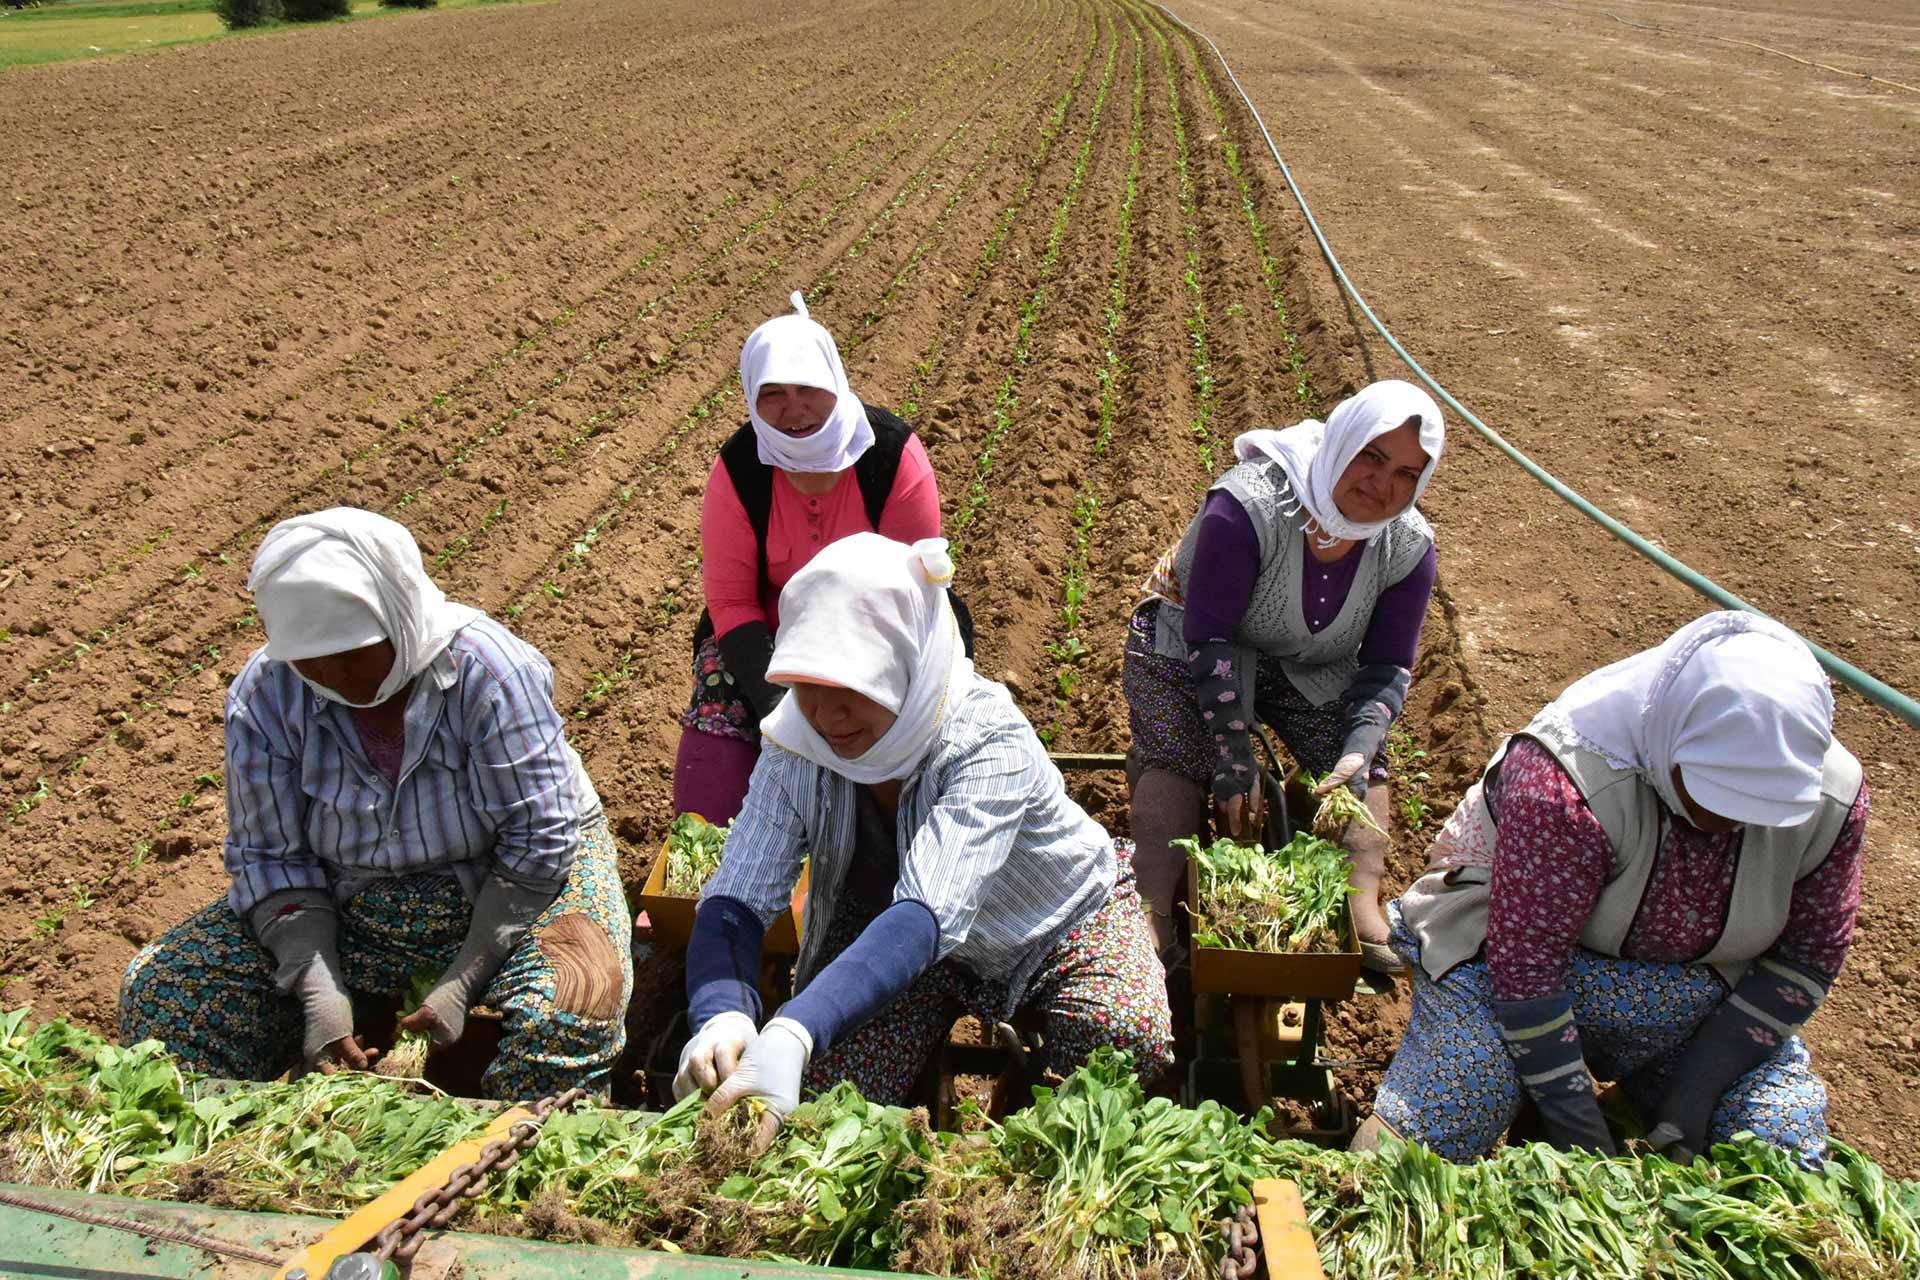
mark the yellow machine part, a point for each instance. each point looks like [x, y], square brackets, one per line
[366, 1221]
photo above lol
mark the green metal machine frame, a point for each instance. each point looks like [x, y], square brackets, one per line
[35, 1246]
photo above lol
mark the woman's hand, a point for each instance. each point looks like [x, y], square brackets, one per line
[770, 1070]
[344, 1054]
[1240, 816]
[427, 1022]
[713, 1055]
[1348, 771]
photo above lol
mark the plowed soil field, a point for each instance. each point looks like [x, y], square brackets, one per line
[488, 272]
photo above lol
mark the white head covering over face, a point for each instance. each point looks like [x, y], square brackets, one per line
[1315, 454]
[1737, 701]
[342, 579]
[794, 349]
[871, 615]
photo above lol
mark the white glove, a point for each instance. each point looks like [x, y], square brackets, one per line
[1342, 774]
[770, 1070]
[714, 1052]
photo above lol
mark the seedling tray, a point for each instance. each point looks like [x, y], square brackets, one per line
[671, 916]
[1290, 975]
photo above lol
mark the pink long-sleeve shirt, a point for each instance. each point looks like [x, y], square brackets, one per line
[797, 527]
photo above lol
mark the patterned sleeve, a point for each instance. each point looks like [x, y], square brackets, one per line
[266, 848]
[1826, 903]
[1550, 862]
[967, 836]
[521, 770]
[768, 840]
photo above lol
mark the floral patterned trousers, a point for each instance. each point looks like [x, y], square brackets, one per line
[206, 988]
[1453, 1086]
[1101, 984]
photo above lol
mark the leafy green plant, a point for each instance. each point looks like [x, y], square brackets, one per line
[407, 1060]
[1338, 809]
[1251, 900]
[694, 846]
[1094, 1180]
[29, 802]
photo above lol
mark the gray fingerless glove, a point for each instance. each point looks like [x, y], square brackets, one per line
[1228, 721]
[502, 913]
[302, 930]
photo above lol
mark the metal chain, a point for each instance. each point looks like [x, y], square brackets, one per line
[172, 1235]
[1243, 1246]
[400, 1239]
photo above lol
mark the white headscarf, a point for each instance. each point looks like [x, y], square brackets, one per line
[871, 615]
[794, 349]
[1737, 701]
[1315, 453]
[344, 578]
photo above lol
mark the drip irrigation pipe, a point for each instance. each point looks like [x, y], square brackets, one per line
[1868, 686]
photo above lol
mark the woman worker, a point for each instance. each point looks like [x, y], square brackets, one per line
[811, 465]
[950, 869]
[1295, 597]
[1654, 882]
[401, 800]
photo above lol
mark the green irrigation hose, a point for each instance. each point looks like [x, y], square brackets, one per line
[1870, 687]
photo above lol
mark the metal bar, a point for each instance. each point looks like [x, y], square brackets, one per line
[1089, 761]
[56, 1249]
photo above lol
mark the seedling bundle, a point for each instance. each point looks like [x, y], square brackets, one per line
[688, 858]
[1271, 923]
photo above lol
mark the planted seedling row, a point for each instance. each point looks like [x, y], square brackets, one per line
[1199, 356]
[1270, 271]
[1006, 400]
[1071, 648]
[932, 359]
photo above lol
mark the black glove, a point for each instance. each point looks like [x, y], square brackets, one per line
[746, 650]
[1373, 699]
[1743, 1031]
[1544, 1044]
[1227, 719]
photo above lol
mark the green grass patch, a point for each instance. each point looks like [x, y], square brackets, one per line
[86, 29]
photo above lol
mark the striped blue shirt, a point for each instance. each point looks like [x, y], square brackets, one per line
[488, 779]
[989, 842]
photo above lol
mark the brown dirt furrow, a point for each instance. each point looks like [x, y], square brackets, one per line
[596, 612]
[589, 368]
[466, 204]
[476, 483]
[1014, 487]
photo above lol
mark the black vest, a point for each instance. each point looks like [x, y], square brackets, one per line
[875, 470]
[753, 479]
